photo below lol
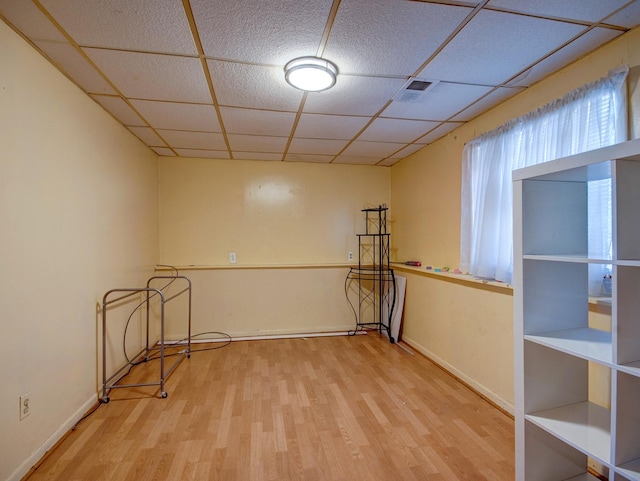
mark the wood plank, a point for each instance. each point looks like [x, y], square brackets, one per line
[330, 409]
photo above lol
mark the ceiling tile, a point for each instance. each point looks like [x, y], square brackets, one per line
[205, 154]
[30, 20]
[380, 150]
[491, 100]
[253, 86]
[178, 116]
[258, 31]
[163, 151]
[388, 162]
[257, 143]
[76, 66]
[592, 11]
[440, 103]
[316, 146]
[353, 96]
[566, 55]
[408, 150]
[629, 17]
[321, 126]
[153, 76]
[256, 156]
[396, 130]
[119, 109]
[389, 38]
[355, 160]
[180, 139]
[518, 41]
[257, 122]
[438, 132]
[151, 26]
[148, 136]
[315, 158]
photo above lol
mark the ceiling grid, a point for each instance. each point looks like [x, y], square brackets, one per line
[195, 78]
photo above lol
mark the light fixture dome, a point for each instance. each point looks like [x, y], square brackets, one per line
[311, 74]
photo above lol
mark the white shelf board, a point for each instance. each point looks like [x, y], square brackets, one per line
[586, 166]
[577, 258]
[627, 262]
[630, 470]
[585, 426]
[583, 477]
[632, 368]
[587, 343]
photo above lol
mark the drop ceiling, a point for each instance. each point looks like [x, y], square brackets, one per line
[204, 78]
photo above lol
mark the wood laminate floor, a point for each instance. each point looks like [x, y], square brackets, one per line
[327, 408]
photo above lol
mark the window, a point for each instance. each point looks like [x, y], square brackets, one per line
[590, 117]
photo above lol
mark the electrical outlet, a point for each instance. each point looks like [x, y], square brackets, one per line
[232, 257]
[25, 405]
[350, 256]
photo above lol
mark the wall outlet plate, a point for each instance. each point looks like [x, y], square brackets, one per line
[350, 256]
[232, 257]
[25, 405]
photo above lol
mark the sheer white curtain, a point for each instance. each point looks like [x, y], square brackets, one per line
[590, 117]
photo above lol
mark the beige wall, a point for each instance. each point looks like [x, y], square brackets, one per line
[425, 191]
[78, 216]
[291, 226]
[268, 213]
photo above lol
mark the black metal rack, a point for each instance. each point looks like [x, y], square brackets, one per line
[376, 285]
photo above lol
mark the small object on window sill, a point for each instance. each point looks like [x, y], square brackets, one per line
[457, 271]
[413, 263]
[428, 268]
[445, 269]
[437, 270]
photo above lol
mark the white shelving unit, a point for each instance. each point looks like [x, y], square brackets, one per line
[558, 427]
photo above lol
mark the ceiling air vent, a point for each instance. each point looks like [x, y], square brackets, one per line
[415, 90]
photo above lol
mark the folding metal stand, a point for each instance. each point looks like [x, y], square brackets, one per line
[150, 292]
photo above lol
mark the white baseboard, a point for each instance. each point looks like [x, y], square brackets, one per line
[479, 388]
[39, 453]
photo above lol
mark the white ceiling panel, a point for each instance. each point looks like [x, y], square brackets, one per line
[148, 26]
[388, 162]
[440, 103]
[142, 61]
[178, 116]
[517, 41]
[398, 130]
[360, 148]
[571, 52]
[256, 156]
[153, 76]
[30, 20]
[322, 126]
[353, 96]
[205, 154]
[257, 143]
[629, 17]
[253, 86]
[120, 110]
[180, 139]
[438, 132]
[76, 67]
[408, 150]
[315, 158]
[317, 146]
[393, 40]
[260, 32]
[486, 103]
[148, 136]
[257, 122]
[355, 160]
[587, 11]
[163, 151]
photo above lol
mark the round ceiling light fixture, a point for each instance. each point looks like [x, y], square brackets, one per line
[311, 74]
